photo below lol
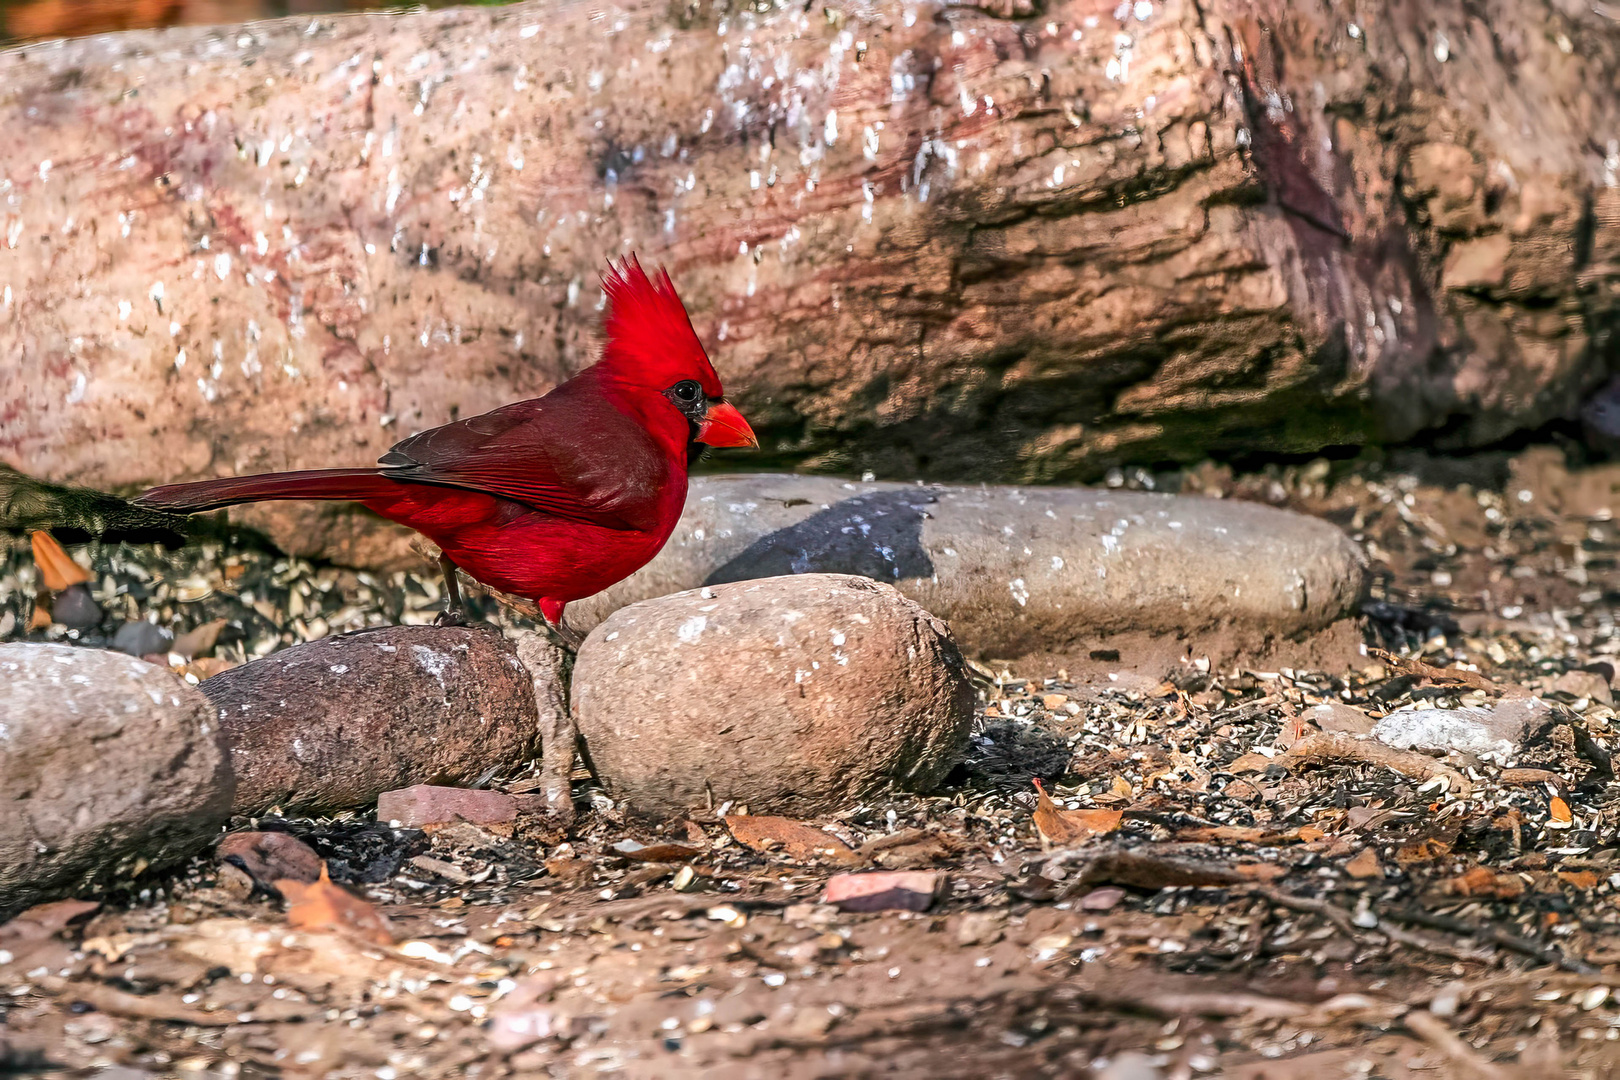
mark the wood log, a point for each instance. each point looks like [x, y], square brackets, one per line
[1023, 241]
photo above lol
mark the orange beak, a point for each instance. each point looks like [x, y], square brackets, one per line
[723, 425]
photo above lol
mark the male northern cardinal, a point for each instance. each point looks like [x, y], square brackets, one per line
[551, 499]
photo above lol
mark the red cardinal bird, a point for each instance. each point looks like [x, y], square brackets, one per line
[552, 499]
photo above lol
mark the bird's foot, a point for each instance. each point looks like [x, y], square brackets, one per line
[450, 617]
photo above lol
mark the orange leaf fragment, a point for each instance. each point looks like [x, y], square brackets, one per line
[1559, 809]
[1580, 879]
[1365, 865]
[56, 570]
[1308, 833]
[795, 838]
[1071, 826]
[323, 905]
[1483, 881]
[1426, 850]
[41, 618]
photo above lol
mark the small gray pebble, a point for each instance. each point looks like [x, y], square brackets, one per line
[76, 608]
[142, 638]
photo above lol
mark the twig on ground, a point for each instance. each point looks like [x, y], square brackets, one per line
[1437, 674]
[1341, 918]
[1338, 747]
[1496, 935]
[138, 1006]
[1428, 1027]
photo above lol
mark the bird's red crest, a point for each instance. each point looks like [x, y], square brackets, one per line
[650, 340]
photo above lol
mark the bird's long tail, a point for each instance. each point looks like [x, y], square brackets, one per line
[160, 515]
[77, 513]
[354, 485]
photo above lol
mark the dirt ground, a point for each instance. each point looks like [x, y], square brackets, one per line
[1220, 889]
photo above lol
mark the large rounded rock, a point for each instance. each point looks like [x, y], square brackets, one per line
[106, 762]
[797, 695]
[334, 723]
[1072, 576]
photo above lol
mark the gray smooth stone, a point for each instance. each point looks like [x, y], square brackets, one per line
[1021, 571]
[107, 763]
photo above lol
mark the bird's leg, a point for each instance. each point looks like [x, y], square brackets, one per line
[452, 615]
[566, 637]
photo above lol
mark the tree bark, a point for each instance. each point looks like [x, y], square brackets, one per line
[924, 240]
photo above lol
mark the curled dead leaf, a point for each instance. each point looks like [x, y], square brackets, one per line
[1067, 827]
[801, 841]
[636, 851]
[324, 905]
[1559, 810]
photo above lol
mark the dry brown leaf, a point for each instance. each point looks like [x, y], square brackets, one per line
[43, 920]
[568, 870]
[910, 849]
[636, 851]
[1308, 833]
[1483, 881]
[1426, 850]
[206, 667]
[57, 571]
[198, 640]
[34, 931]
[794, 838]
[323, 905]
[1122, 788]
[1580, 879]
[1067, 827]
[1262, 872]
[1365, 865]
[1559, 809]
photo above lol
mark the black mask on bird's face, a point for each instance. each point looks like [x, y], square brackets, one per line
[714, 421]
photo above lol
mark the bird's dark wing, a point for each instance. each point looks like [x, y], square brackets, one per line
[570, 453]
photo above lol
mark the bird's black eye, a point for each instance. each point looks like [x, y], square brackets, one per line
[688, 390]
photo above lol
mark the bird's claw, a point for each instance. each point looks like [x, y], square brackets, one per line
[450, 617]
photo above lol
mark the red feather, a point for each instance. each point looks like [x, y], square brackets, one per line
[552, 499]
[650, 340]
